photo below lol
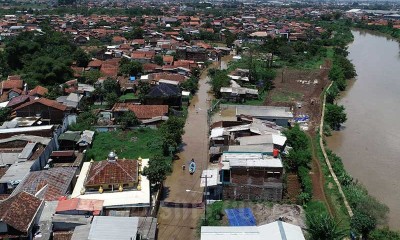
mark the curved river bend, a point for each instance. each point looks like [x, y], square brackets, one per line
[369, 144]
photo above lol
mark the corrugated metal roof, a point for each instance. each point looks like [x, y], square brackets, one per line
[251, 160]
[276, 230]
[106, 227]
[26, 129]
[81, 232]
[212, 177]
[27, 151]
[264, 111]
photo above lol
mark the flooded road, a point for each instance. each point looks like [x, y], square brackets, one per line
[180, 186]
[369, 143]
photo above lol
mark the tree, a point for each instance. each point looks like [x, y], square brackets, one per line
[111, 85]
[296, 138]
[171, 133]
[323, 226]
[157, 170]
[332, 93]
[219, 79]
[4, 114]
[128, 68]
[47, 70]
[137, 33]
[286, 53]
[159, 60]
[347, 67]
[99, 93]
[82, 59]
[297, 158]
[111, 98]
[385, 233]
[128, 119]
[143, 89]
[54, 92]
[196, 72]
[229, 38]
[363, 223]
[190, 84]
[90, 77]
[4, 68]
[84, 121]
[335, 115]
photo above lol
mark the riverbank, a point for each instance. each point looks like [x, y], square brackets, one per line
[365, 134]
[382, 30]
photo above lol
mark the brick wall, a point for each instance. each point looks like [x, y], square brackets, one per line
[254, 176]
[270, 192]
[254, 184]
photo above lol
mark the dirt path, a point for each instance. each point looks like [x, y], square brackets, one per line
[318, 178]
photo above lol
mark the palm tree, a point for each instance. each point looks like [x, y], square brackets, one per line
[324, 227]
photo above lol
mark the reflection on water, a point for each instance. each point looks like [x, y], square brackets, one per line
[369, 144]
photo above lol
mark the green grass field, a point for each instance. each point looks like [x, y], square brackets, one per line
[128, 96]
[284, 96]
[144, 143]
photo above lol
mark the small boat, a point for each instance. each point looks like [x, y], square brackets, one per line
[192, 167]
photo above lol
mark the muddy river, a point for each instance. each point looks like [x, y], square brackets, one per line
[369, 143]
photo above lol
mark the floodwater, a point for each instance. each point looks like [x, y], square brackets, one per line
[369, 143]
[180, 186]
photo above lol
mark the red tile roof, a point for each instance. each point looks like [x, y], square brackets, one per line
[10, 84]
[109, 70]
[167, 76]
[143, 54]
[46, 102]
[62, 235]
[112, 172]
[57, 180]
[149, 67]
[80, 204]
[168, 59]
[142, 111]
[38, 90]
[19, 211]
[95, 63]
[67, 205]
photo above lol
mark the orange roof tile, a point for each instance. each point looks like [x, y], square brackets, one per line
[10, 84]
[19, 211]
[39, 90]
[46, 102]
[108, 172]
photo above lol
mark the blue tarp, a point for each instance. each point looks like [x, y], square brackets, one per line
[302, 118]
[240, 217]
[132, 78]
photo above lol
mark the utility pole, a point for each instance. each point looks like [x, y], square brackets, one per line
[205, 198]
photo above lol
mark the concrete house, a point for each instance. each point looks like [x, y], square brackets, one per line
[251, 176]
[279, 115]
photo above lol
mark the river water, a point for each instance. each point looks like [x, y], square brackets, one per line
[369, 143]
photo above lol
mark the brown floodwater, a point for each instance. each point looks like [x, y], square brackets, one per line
[369, 142]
